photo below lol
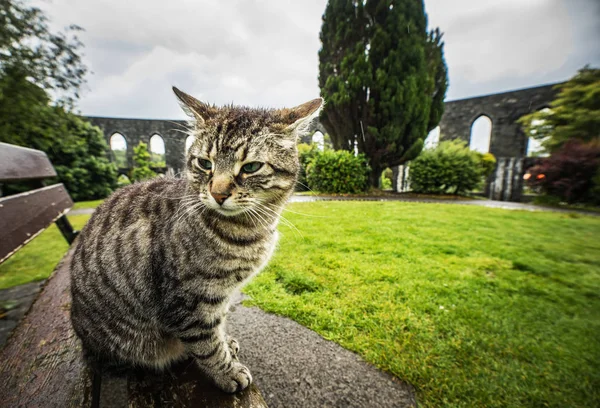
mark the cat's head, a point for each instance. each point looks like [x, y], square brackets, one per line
[243, 159]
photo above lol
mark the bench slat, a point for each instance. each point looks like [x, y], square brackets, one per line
[23, 216]
[20, 163]
[41, 365]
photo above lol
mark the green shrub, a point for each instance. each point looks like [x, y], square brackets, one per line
[338, 171]
[306, 152]
[488, 163]
[449, 168]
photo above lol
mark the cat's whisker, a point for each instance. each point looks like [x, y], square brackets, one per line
[264, 222]
[255, 216]
[306, 215]
[183, 125]
[304, 185]
[188, 210]
[188, 132]
[285, 221]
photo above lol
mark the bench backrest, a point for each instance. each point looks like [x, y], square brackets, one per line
[23, 216]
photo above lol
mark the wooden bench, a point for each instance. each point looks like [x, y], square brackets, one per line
[41, 364]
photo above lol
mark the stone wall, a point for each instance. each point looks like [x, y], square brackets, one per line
[508, 142]
[504, 109]
[141, 130]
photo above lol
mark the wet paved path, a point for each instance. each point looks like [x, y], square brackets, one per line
[506, 205]
[294, 367]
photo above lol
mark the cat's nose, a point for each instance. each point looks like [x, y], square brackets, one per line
[220, 197]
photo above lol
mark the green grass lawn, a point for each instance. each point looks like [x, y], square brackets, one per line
[87, 204]
[475, 307]
[38, 259]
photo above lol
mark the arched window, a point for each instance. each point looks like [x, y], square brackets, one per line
[481, 134]
[188, 143]
[433, 138]
[123, 180]
[319, 139]
[118, 147]
[534, 145]
[157, 151]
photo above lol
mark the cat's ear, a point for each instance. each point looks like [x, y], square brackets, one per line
[193, 107]
[302, 119]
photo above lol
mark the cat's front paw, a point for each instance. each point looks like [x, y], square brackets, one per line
[236, 379]
[234, 346]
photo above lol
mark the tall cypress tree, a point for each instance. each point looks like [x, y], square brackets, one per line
[383, 76]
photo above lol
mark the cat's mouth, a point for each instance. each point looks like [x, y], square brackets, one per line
[229, 211]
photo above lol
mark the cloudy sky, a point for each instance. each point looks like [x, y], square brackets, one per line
[264, 52]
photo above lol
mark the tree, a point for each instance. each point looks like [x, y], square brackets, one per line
[77, 149]
[571, 173]
[384, 79]
[141, 158]
[30, 51]
[573, 115]
[34, 63]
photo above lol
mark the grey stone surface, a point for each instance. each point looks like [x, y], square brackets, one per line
[504, 109]
[294, 367]
[14, 304]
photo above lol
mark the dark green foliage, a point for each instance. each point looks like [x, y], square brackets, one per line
[77, 149]
[141, 158]
[450, 168]
[33, 62]
[306, 152]
[384, 79]
[338, 171]
[574, 114]
[28, 49]
[571, 174]
[488, 163]
[82, 163]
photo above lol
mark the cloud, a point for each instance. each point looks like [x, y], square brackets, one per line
[264, 52]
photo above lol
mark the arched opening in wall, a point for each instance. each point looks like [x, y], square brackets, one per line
[123, 180]
[386, 179]
[188, 143]
[534, 141]
[118, 150]
[157, 151]
[481, 134]
[319, 139]
[432, 139]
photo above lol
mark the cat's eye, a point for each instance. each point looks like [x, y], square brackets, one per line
[251, 167]
[203, 164]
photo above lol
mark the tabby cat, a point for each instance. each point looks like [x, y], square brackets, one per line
[156, 264]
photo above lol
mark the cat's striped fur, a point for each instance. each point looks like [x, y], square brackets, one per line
[155, 266]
